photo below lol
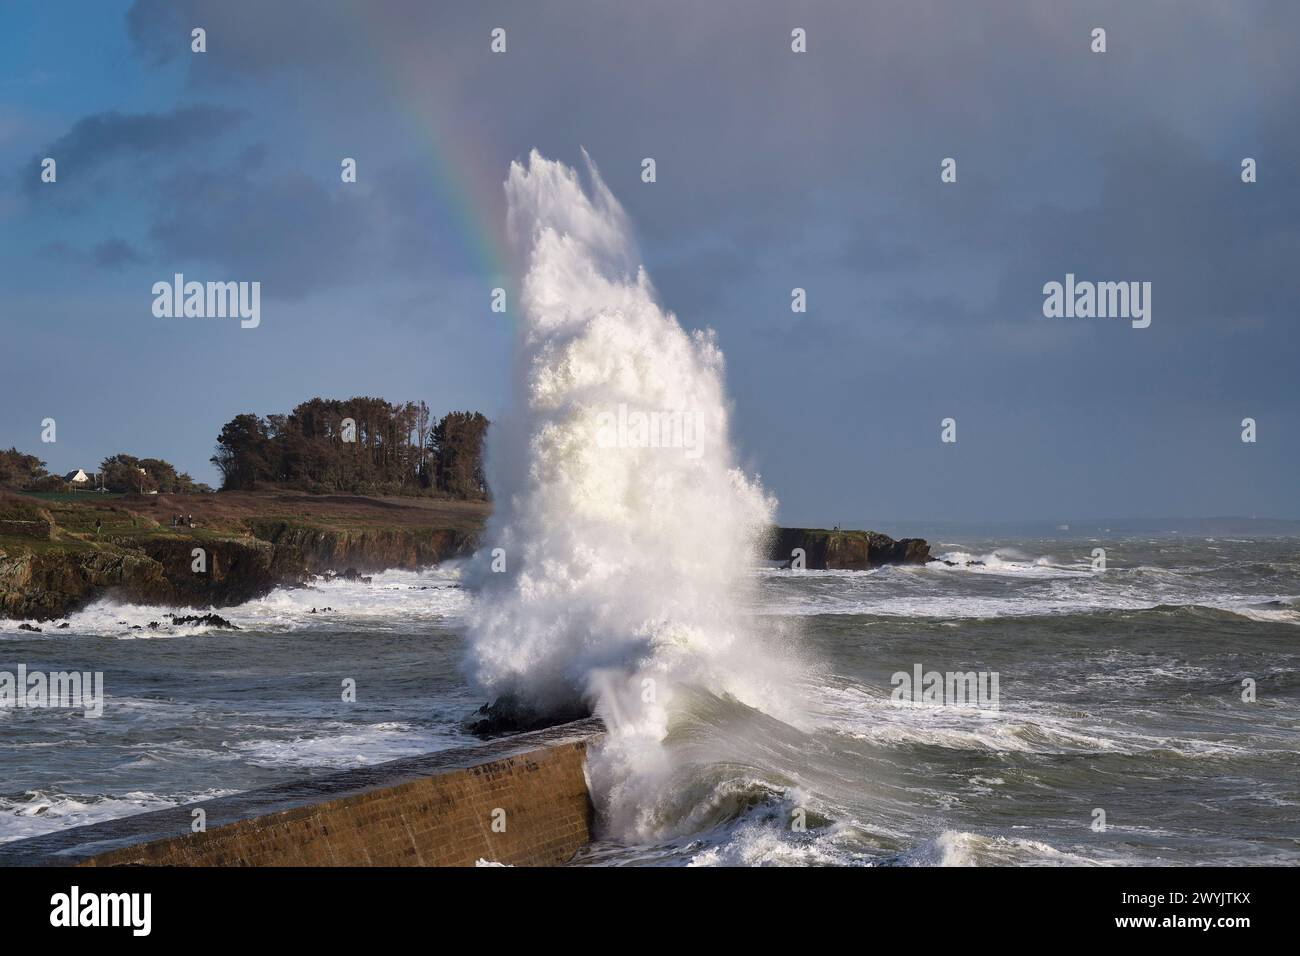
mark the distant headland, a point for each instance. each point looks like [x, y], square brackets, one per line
[350, 487]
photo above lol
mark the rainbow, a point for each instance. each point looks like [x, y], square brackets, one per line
[467, 181]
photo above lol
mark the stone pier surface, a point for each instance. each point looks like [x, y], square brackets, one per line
[437, 809]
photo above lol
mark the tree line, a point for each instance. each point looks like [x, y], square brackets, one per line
[120, 473]
[365, 446]
[358, 445]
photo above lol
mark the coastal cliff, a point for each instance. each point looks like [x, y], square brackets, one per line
[846, 550]
[56, 557]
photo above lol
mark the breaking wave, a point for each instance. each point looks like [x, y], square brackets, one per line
[618, 556]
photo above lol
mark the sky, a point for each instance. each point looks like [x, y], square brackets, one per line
[774, 170]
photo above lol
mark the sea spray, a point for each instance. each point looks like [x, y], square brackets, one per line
[624, 557]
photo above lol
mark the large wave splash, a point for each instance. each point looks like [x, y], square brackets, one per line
[616, 563]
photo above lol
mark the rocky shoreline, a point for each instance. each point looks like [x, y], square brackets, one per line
[58, 556]
[51, 585]
[57, 559]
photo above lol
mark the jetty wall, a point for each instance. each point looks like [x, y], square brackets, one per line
[521, 800]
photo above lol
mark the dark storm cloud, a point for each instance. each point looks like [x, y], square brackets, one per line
[774, 170]
[299, 233]
[255, 36]
[287, 231]
[112, 254]
[749, 138]
[241, 216]
[95, 141]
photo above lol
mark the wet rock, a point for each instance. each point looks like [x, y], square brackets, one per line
[209, 620]
[845, 550]
[28, 627]
[507, 715]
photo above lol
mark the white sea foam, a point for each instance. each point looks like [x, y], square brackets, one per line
[1270, 615]
[391, 598]
[40, 811]
[1010, 561]
[1034, 587]
[959, 848]
[769, 844]
[624, 566]
[345, 746]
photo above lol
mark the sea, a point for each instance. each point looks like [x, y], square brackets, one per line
[1144, 714]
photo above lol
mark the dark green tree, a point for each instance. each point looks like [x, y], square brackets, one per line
[19, 471]
[125, 474]
[458, 446]
[244, 455]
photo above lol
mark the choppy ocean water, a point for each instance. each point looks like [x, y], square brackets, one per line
[1118, 691]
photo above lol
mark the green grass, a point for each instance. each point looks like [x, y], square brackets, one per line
[112, 521]
[13, 545]
[129, 525]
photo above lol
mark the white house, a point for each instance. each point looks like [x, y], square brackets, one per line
[78, 479]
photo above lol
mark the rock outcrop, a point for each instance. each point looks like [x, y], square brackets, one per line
[845, 550]
[51, 566]
[508, 715]
[316, 550]
[161, 570]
